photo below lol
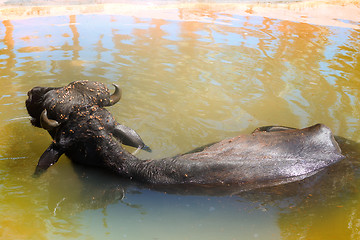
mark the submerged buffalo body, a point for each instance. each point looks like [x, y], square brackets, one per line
[268, 156]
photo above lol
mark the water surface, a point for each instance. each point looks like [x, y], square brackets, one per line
[190, 75]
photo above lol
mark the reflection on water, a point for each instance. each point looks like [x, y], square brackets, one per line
[187, 82]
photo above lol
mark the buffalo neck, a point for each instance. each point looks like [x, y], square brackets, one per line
[159, 171]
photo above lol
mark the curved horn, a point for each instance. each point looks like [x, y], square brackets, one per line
[116, 96]
[46, 123]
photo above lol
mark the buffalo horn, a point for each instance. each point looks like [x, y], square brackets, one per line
[116, 96]
[47, 123]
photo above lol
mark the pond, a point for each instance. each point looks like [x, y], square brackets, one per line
[191, 74]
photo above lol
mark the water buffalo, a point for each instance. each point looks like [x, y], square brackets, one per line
[58, 103]
[268, 156]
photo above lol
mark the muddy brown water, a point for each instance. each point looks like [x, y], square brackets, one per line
[191, 74]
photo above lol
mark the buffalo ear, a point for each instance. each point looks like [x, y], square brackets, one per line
[129, 137]
[48, 158]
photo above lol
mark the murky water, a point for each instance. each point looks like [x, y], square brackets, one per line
[190, 76]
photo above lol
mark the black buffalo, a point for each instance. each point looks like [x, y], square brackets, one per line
[268, 156]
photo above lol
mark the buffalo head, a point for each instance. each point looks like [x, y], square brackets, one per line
[60, 102]
[50, 108]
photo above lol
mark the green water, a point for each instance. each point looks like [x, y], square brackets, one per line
[185, 84]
